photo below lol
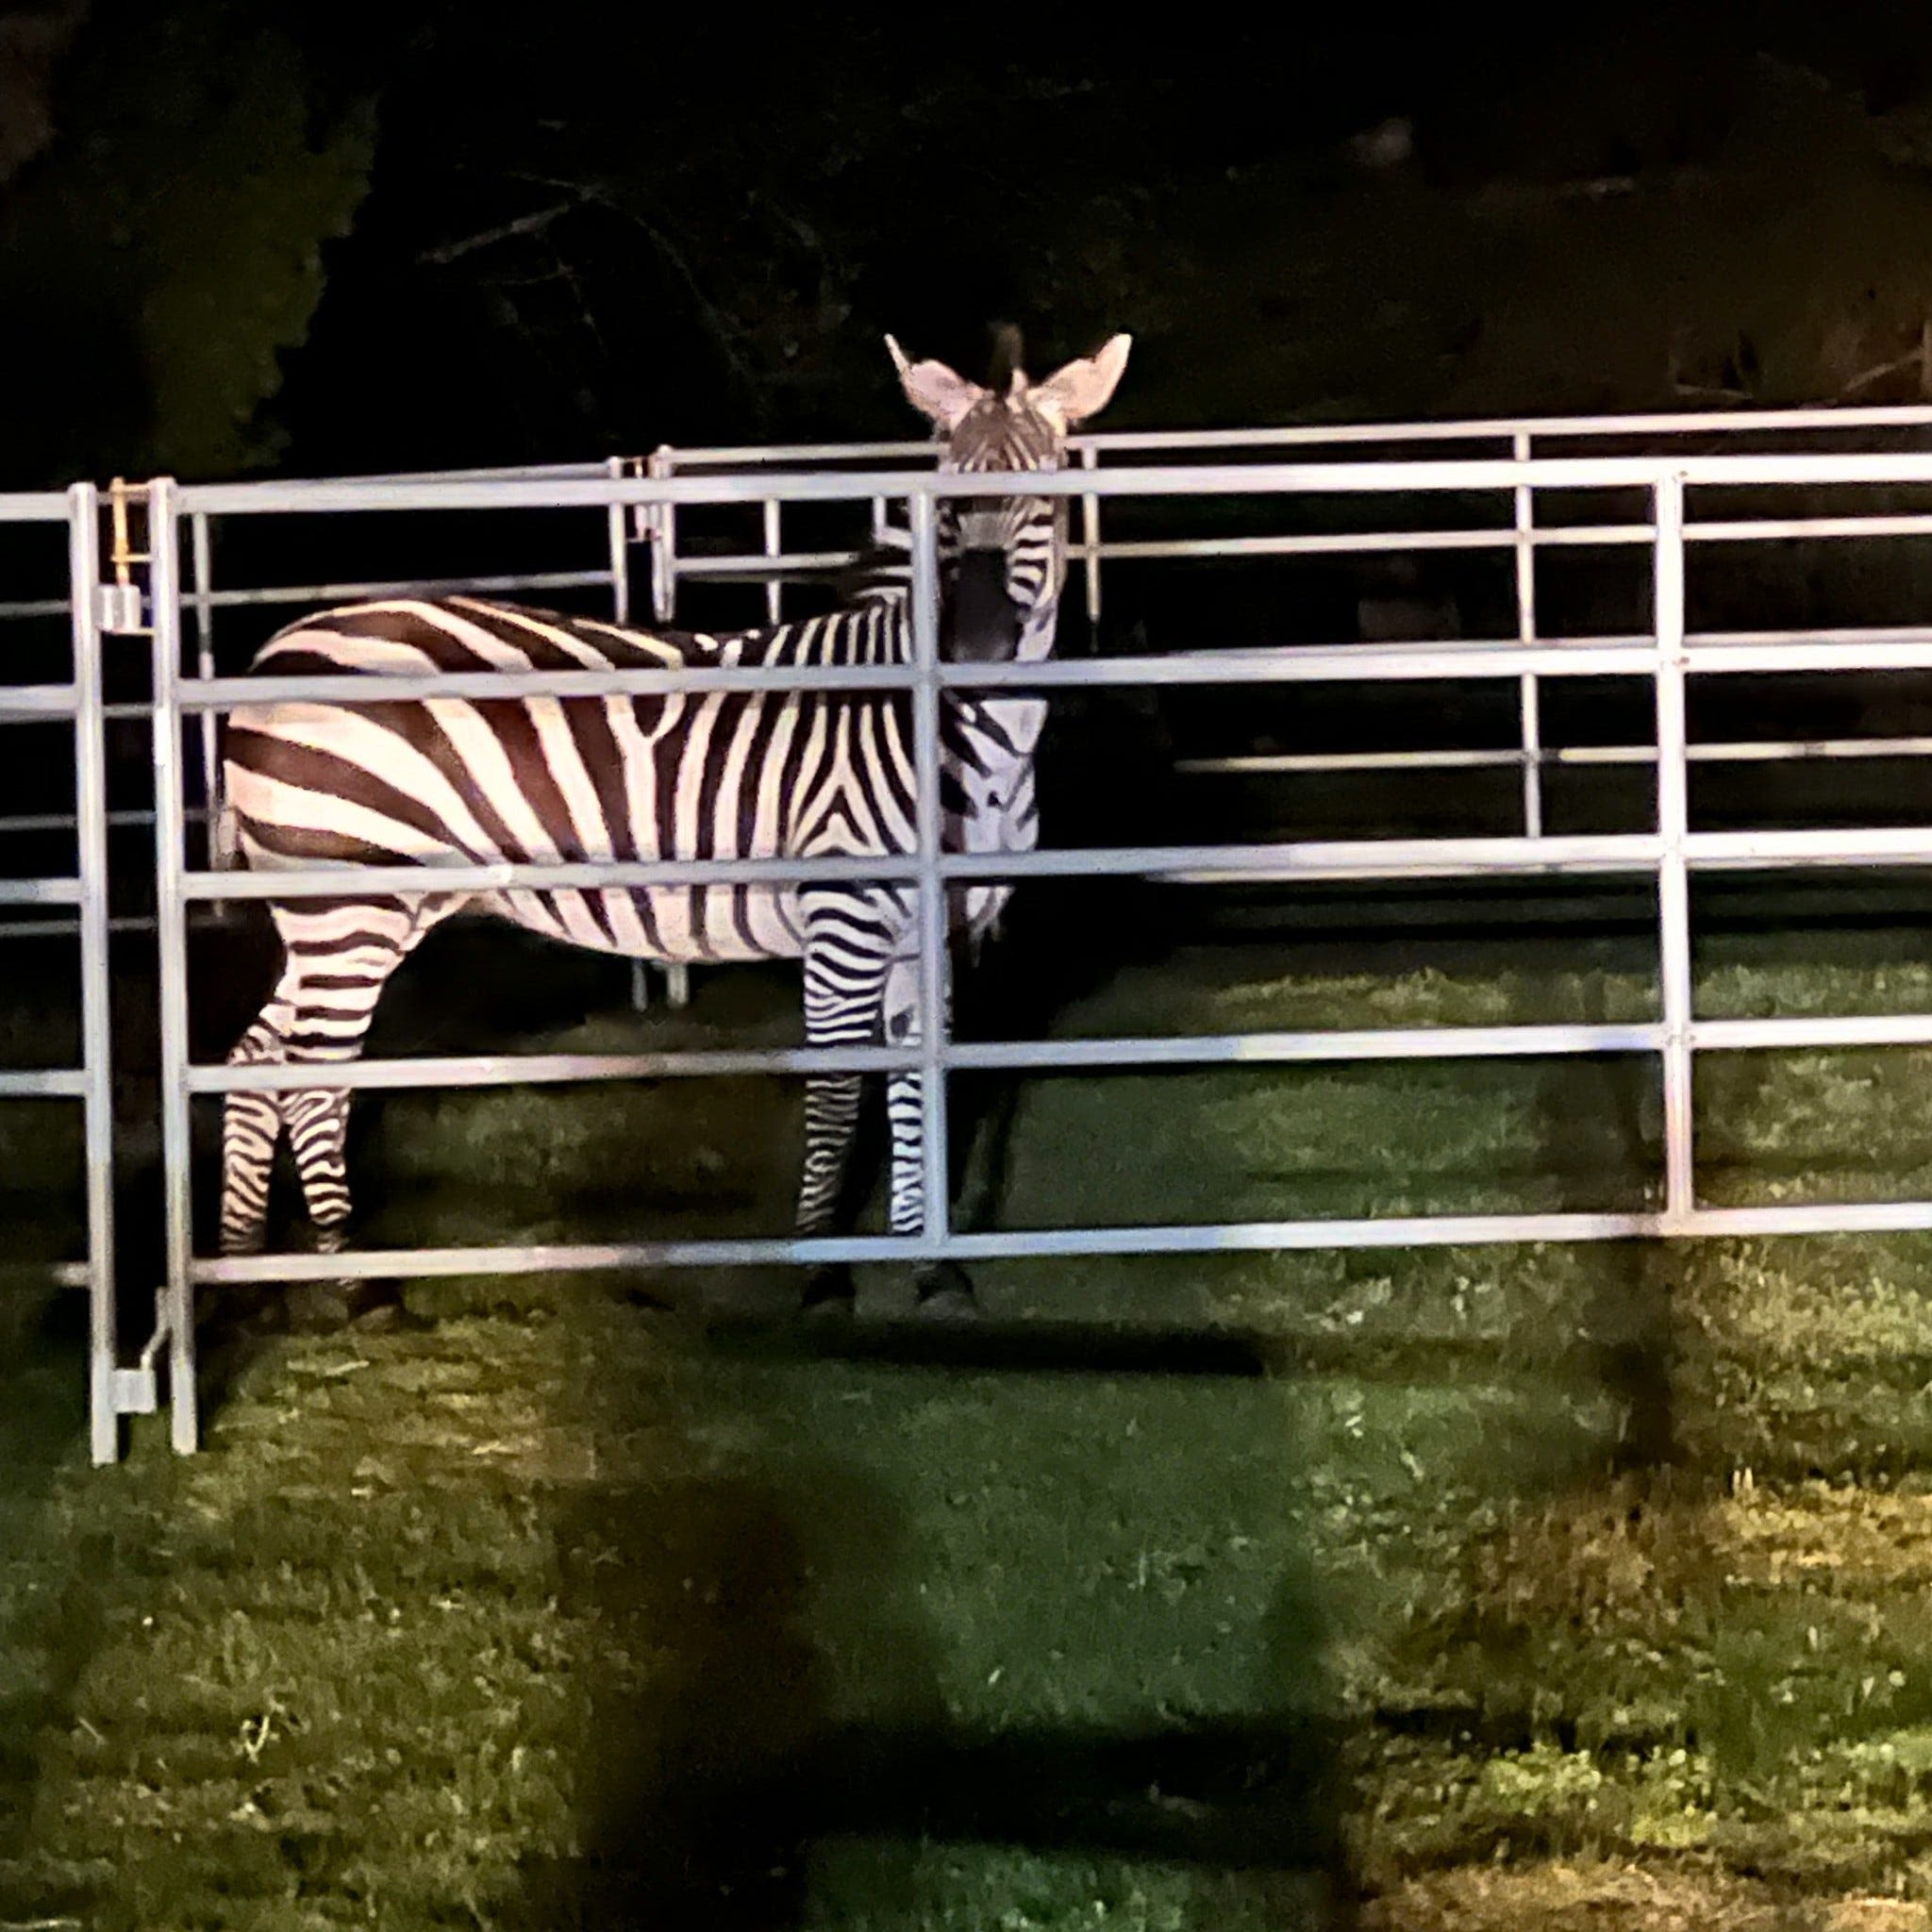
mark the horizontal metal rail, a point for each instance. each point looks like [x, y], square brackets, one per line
[65, 928]
[43, 1083]
[543, 1069]
[1287, 860]
[1633, 852]
[1354, 542]
[65, 822]
[353, 688]
[274, 594]
[1104, 443]
[1112, 1054]
[486, 472]
[1250, 1237]
[34, 506]
[1337, 478]
[398, 586]
[768, 565]
[38, 701]
[1010, 1055]
[1288, 664]
[820, 485]
[1747, 752]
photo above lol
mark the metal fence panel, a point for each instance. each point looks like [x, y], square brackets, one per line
[188, 694]
[1666, 659]
[83, 887]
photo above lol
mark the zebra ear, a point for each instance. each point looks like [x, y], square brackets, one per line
[934, 390]
[1082, 389]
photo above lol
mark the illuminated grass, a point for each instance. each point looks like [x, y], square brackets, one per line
[1608, 1564]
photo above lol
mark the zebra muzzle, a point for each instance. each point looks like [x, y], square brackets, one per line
[983, 623]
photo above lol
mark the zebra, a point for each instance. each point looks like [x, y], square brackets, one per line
[677, 775]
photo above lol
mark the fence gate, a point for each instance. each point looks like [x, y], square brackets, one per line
[52, 703]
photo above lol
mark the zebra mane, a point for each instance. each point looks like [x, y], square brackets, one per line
[882, 571]
[1008, 358]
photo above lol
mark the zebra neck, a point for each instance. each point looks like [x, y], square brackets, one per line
[989, 728]
[995, 730]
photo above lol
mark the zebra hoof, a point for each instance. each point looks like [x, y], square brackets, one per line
[370, 1307]
[388, 1314]
[829, 1293]
[248, 1311]
[944, 1293]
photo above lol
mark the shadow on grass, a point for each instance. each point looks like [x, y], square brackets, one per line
[711, 1797]
[1032, 1346]
[51, 1607]
[1622, 1345]
[797, 1737]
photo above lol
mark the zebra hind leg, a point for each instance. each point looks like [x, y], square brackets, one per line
[339, 958]
[319, 1131]
[251, 1128]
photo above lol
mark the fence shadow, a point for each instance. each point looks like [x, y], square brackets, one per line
[1630, 1321]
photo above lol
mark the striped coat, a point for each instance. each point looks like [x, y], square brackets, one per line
[682, 774]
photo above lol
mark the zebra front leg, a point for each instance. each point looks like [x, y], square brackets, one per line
[848, 942]
[831, 1119]
[942, 1288]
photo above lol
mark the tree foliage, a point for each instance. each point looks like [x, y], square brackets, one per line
[165, 250]
[584, 232]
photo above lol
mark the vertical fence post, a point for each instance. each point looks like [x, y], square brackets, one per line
[774, 546]
[1090, 542]
[1528, 702]
[1672, 824]
[619, 467]
[205, 667]
[932, 892]
[170, 932]
[663, 526]
[619, 549]
[654, 520]
[620, 527]
[96, 1037]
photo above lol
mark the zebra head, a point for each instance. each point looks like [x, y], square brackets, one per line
[1003, 560]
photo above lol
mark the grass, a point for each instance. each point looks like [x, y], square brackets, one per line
[1511, 1586]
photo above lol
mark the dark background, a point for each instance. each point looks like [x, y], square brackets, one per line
[244, 237]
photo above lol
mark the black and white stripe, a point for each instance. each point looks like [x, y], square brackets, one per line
[678, 776]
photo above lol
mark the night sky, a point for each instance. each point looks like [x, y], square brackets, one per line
[238, 236]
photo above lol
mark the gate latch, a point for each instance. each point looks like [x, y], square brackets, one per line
[118, 605]
[117, 609]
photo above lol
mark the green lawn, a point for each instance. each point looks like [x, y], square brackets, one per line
[1524, 1586]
